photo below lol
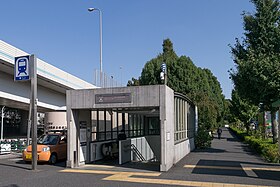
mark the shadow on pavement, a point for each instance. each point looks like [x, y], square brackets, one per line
[210, 150]
[15, 166]
[232, 139]
[148, 166]
[61, 163]
[219, 167]
[265, 174]
[12, 185]
[234, 168]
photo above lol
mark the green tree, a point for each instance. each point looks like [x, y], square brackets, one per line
[200, 85]
[228, 116]
[133, 82]
[243, 110]
[257, 75]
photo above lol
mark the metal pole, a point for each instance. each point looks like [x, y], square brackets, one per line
[165, 77]
[121, 74]
[33, 102]
[100, 32]
[2, 122]
[29, 121]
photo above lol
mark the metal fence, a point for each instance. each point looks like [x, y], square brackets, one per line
[103, 80]
[12, 145]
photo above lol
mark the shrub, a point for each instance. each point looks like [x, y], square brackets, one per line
[202, 138]
[265, 147]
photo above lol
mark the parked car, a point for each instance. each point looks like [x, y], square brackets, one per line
[50, 148]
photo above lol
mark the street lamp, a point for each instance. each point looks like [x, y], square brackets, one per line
[100, 33]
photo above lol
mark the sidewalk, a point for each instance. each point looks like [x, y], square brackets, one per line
[227, 161]
[10, 155]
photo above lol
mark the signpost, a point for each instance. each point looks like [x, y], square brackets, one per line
[21, 68]
[24, 70]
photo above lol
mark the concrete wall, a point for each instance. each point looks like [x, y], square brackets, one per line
[86, 98]
[20, 91]
[147, 146]
[167, 127]
[182, 149]
[55, 120]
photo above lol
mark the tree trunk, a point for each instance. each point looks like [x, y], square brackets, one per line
[278, 131]
[274, 124]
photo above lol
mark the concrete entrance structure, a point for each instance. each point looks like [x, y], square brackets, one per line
[163, 121]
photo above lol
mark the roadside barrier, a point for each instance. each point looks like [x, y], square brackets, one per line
[12, 145]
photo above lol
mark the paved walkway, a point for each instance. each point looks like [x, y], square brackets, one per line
[227, 163]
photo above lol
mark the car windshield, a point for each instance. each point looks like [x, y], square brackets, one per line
[48, 139]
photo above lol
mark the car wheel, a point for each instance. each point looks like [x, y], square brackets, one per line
[53, 159]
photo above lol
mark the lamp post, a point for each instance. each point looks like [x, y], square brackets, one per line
[100, 34]
[121, 74]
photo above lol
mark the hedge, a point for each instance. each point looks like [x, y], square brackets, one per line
[264, 147]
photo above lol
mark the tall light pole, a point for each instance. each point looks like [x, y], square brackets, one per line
[121, 74]
[2, 121]
[100, 34]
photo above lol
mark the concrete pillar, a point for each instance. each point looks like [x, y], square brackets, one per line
[72, 121]
[24, 122]
[167, 127]
[83, 133]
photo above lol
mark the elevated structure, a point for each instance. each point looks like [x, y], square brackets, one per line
[52, 83]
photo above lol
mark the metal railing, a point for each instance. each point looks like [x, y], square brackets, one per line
[137, 153]
[102, 80]
[12, 145]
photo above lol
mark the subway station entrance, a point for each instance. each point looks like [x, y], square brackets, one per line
[128, 124]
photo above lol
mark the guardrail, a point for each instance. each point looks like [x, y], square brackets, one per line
[12, 145]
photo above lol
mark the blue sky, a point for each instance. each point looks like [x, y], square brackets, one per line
[64, 34]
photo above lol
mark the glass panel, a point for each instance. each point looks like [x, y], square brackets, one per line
[115, 135]
[101, 121]
[108, 121]
[154, 126]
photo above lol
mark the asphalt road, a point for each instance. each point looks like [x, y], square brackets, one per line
[227, 163]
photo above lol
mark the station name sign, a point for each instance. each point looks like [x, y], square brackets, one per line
[113, 98]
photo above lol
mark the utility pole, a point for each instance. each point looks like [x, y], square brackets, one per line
[33, 102]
